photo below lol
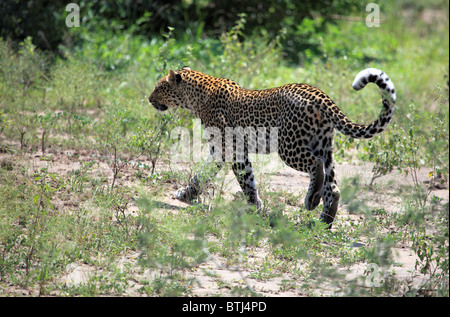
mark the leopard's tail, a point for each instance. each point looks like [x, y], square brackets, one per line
[359, 131]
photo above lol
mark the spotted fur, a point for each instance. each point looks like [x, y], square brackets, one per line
[304, 116]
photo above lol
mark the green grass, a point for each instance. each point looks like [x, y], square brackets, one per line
[89, 112]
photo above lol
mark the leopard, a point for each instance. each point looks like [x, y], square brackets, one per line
[304, 117]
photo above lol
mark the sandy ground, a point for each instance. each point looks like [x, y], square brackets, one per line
[297, 183]
[276, 176]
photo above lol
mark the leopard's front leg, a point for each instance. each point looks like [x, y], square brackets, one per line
[206, 173]
[198, 181]
[246, 179]
[191, 192]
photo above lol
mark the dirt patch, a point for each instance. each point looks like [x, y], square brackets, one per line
[215, 276]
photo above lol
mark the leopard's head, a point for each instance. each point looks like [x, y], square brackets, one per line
[167, 92]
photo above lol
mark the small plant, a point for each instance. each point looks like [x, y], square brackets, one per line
[148, 138]
[113, 142]
[401, 148]
[47, 123]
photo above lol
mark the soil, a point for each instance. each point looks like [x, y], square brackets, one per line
[207, 275]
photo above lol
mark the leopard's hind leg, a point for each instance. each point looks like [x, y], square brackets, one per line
[244, 174]
[315, 190]
[331, 193]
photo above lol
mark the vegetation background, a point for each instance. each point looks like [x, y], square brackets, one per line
[85, 175]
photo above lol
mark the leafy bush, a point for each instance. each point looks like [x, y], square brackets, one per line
[45, 21]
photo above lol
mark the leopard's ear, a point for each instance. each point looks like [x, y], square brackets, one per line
[174, 78]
